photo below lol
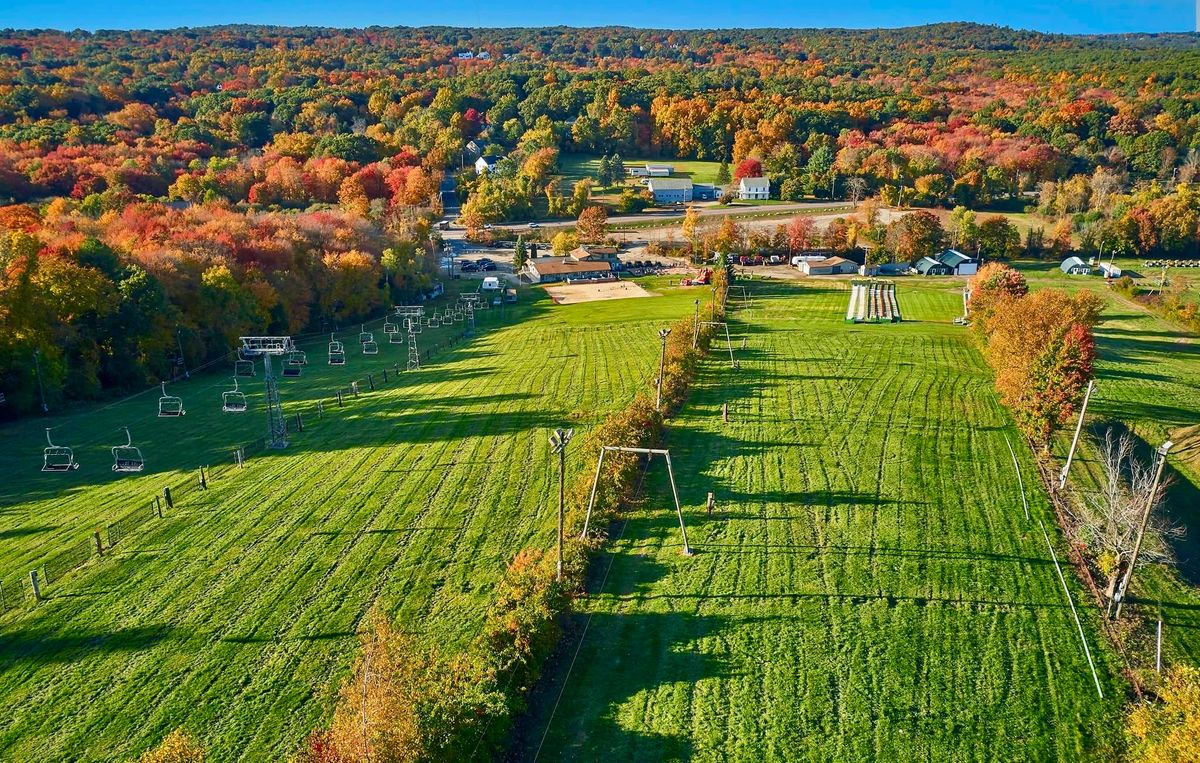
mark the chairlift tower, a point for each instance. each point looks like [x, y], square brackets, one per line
[414, 357]
[266, 347]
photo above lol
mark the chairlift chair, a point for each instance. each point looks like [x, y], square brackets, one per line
[370, 347]
[127, 458]
[233, 401]
[390, 328]
[365, 336]
[299, 356]
[57, 458]
[169, 405]
[396, 338]
[291, 368]
[243, 368]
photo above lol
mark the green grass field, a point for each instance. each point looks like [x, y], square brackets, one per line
[234, 616]
[1149, 381]
[577, 166]
[869, 589]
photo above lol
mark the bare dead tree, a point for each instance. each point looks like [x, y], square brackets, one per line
[1113, 513]
[856, 188]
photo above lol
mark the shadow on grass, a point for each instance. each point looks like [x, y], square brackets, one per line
[46, 646]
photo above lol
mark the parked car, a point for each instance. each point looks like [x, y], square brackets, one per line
[483, 260]
[469, 267]
[487, 266]
[534, 226]
[487, 226]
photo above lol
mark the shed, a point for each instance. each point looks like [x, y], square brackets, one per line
[1073, 266]
[928, 266]
[1110, 270]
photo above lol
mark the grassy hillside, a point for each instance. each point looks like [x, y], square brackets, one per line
[869, 589]
[234, 616]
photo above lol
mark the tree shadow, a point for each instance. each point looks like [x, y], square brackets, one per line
[72, 644]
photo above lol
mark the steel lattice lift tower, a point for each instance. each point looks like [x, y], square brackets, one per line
[414, 358]
[266, 347]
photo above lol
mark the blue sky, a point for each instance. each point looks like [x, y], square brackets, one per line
[1072, 16]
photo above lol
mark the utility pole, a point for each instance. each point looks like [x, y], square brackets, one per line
[558, 443]
[662, 365]
[1137, 546]
[37, 367]
[179, 346]
[1062, 478]
[696, 327]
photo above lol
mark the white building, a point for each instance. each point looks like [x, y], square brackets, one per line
[485, 164]
[754, 188]
[651, 171]
[670, 190]
[961, 264]
[1073, 266]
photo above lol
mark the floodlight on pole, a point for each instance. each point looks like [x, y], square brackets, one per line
[662, 366]
[1137, 546]
[558, 443]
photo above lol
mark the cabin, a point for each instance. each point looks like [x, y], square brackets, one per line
[1073, 266]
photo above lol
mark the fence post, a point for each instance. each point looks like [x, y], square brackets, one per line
[167, 497]
[299, 422]
[99, 545]
[385, 376]
[37, 589]
[203, 483]
[320, 409]
[354, 388]
[371, 381]
[158, 506]
[339, 398]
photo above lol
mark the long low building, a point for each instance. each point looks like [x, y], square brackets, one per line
[551, 269]
[831, 266]
[670, 190]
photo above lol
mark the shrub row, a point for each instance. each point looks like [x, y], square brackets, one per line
[407, 702]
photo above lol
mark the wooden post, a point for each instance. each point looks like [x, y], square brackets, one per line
[1158, 649]
[167, 498]
[339, 398]
[725, 412]
[99, 544]
[203, 482]
[1062, 478]
[712, 503]
[1123, 591]
[385, 376]
[37, 589]
[158, 506]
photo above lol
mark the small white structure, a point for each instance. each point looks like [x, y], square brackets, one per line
[754, 188]
[486, 164]
[491, 283]
[670, 190]
[1073, 266]
[651, 171]
[1110, 270]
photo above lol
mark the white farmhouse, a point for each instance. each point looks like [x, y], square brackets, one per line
[754, 188]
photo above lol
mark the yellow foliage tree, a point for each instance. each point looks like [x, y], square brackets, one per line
[1168, 731]
[176, 747]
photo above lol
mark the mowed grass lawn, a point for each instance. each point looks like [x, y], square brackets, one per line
[869, 587]
[1148, 376]
[234, 617]
[577, 166]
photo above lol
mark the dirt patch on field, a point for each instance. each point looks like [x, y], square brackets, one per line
[573, 294]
